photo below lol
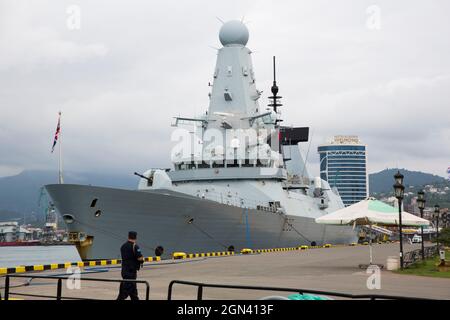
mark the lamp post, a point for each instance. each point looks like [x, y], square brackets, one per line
[445, 219]
[399, 189]
[436, 214]
[421, 204]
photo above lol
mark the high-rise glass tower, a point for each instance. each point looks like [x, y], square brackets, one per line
[343, 163]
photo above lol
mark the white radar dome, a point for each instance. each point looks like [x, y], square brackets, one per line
[233, 32]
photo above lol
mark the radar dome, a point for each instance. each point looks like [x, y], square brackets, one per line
[233, 32]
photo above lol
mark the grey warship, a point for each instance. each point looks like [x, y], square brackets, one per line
[238, 179]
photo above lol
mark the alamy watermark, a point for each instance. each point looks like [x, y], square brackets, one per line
[215, 147]
[373, 21]
[73, 20]
[73, 281]
[374, 280]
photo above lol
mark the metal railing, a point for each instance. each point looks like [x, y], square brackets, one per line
[200, 289]
[59, 295]
[200, 286]
[414, 256]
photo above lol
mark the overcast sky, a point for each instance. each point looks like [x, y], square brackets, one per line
[132, 65]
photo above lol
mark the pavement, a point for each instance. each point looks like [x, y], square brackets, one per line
[329, 269]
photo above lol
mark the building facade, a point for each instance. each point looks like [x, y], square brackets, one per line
[343, 163]
[12, 232]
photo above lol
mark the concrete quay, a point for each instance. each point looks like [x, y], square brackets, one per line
[330, 269]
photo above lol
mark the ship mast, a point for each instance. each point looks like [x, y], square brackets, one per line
[60, 173]
[275, 103]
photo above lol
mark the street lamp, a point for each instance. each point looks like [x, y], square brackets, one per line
[445, 219]
[421, 204]
[399, 189]
[436, 214]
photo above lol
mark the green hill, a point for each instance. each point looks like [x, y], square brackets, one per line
[437, 192]
[19, 194]
[381, 182]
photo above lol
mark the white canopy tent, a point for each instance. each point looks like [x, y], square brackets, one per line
[371, 212]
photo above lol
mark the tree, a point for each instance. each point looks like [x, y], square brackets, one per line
[444, 237]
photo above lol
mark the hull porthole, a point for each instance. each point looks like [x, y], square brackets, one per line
[68, 218]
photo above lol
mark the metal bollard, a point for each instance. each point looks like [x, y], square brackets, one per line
[442, 257]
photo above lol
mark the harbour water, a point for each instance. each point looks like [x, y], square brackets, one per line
[32, 255]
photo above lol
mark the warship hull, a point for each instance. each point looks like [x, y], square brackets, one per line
[179, 222]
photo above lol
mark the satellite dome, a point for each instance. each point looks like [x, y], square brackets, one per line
[233, 32]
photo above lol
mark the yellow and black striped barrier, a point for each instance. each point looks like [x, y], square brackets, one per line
[275, 250]
[183, 255]
[66, 265]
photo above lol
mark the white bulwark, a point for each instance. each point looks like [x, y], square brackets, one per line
[343, 163]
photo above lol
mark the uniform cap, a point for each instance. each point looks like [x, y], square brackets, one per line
[132, 235]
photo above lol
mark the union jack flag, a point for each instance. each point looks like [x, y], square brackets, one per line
[58, 130]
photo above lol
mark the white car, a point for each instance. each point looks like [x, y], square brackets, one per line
[417, 239]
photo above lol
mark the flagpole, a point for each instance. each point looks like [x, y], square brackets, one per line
[60, 152]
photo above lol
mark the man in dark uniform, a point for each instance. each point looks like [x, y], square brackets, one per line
[131, 261]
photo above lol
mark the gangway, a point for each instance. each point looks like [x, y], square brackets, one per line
[380, 230]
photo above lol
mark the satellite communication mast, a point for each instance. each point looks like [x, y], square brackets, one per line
[275, 103]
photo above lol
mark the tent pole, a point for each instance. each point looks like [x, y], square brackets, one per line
[370, 243]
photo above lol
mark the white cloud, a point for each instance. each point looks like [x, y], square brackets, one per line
[24, 44]
[121, 78]
[405, 120]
